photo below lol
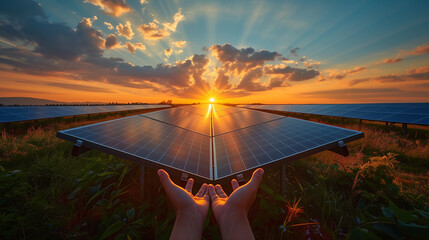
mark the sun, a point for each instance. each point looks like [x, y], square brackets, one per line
[212, 99]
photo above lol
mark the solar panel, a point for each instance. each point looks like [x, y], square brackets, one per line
[411, 113]
[281, 139]
[143, 139]
[25, 113]
[211, 147]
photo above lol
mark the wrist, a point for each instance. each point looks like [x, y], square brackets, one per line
[232, 220]
[187, 226]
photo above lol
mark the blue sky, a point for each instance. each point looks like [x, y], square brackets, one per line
[307, 51]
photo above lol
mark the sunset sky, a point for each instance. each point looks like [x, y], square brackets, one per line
[235, 51]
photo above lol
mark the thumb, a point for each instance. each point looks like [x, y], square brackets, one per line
[165, 180]
[256, 178]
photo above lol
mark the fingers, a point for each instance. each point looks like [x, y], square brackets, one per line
[202, 191]
[256, 178]
[234, 184]
[189, 185]
[212, 193]
[220, 191]
[166, 182]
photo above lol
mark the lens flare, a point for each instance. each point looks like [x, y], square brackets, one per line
[212, 99]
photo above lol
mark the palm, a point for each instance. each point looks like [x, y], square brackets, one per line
[239, 201]
[183, 200]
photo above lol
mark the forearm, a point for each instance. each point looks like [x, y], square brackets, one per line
[187, 226]
[236, 226]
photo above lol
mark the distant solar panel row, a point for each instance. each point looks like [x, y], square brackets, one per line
[411, 113]
[211, 141]
[25, 113]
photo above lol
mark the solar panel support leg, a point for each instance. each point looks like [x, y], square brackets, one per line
[78, 148]
[142, 171]
[341, 149]
[283, 180]
[404, 128]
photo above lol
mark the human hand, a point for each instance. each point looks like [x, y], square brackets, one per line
[191, 211]
[231, 212]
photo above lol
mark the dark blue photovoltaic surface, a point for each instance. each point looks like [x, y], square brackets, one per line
[15, 114]
[151, 140]
[210, 141]
[249, 148]
[412, 113]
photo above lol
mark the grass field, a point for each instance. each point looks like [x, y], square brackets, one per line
[380, 191]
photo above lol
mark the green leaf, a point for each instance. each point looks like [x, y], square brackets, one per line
[112, 229]
[388, 229]
[423, 213]
[401, 214]
[131, 213]
[266, 188]
[415, 230]
[388, 212]
[96, 195]
[334, 166]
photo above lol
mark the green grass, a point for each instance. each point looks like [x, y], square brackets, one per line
[379, 191]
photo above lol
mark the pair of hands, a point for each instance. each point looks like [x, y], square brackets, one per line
[230, 212]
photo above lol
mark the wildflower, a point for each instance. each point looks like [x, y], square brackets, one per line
[282, 228]
[357, 220]
[125, 219]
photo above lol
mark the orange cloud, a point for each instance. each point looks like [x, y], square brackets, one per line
[125, 30]
[180, 44]
[335, 74]
[153, 31]
[111, 7]
[392, 60]
[419, 50]
[178, 17]
[112, 42]
[133, 47]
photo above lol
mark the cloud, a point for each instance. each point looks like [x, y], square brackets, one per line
[392, 60]
[125, 30]
[178, 17]
[241, 59]
[109, 25]
[133, 47]
[250, 81]
[294, 51]
[78, 87]
[335, 74]
[277, 82]
[291, 73]
[153, 31]
[420, 50]
[179, 44]
[111, 7]
[112, 42]
[143, 2]
[222, 81]
[413, 74]
[168, 52]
